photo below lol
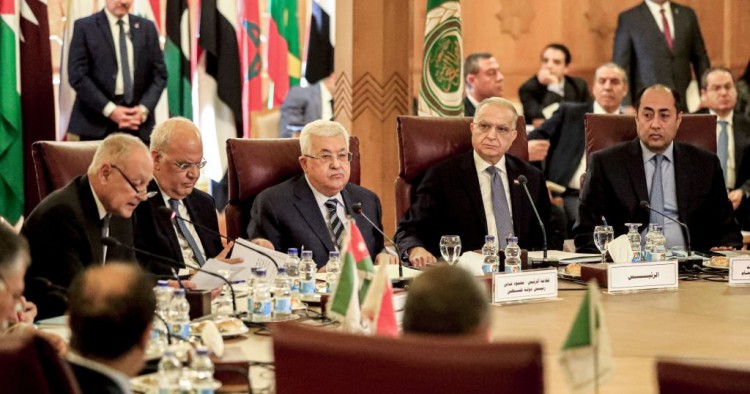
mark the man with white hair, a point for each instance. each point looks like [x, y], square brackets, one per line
[308, 211]
[65, 230]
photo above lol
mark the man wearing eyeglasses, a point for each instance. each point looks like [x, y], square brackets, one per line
[308, 211]
[477, 193]
[65, 230]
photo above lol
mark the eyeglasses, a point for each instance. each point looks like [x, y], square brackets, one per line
[186, 165]
[139, 193]
[486, 127]
[328, 157]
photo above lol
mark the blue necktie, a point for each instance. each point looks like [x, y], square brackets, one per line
[500, 209]
[657, 191]
[127, 80]
[182, 228]
[722, 148]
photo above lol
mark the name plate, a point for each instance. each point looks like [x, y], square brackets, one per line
[642, 276]
[739, 271]
[524, 286]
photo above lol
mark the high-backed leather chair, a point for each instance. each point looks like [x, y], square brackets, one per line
[313, 360]
[426, 141]
[57, 163]
[257, 164]
[29, 364]
[607, 130]
[679, 377]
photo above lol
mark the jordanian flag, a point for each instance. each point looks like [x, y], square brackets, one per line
[586, 357]
[284, 64]
[177, 59]
[11, 139]
[442, 88]
[378, 314]
[251, 62]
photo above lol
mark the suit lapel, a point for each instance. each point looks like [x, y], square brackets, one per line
[203, 235]
[652, 27]
[136, 38]
[470, 184]
[682, 179]
[636, 171]
[164, 223]
[106, 32]
[740, 143]
[680, 27]
[310, 212]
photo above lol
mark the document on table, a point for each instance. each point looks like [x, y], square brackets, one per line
[204, 281]
[567, 257]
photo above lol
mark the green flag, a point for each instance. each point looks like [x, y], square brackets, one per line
[442, 88]
[177, 59]
[11, 151]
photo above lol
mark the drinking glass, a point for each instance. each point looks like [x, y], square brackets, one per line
[603, 235]
[450, 248]
[224, 305]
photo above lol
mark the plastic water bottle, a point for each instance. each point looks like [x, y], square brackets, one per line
[163, 294]
[282, 294]
[512, 255]
[203, 368]
[262, 297]
[333, 268]
[659, 250]
[648, 248]
[251, 290]
[179, 314]
[489, 251]
[635, 242]
[169, 370]
[307, 270]
[292, 269]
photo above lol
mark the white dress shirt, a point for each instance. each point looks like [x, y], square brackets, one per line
[656, 12]
[485, 186]
[188, 257]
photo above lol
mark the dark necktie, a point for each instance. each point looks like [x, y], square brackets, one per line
[657, 191]
[500, 209]
[722, 147]
[337, 227]
[332, 113]
[182, 228]
[105, 233]
[127, 80]
[665, 25]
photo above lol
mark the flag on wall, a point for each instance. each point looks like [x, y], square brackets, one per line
[251, 62]
[319, 62]
[442, 89]
[11, 138]
[284, 65]
[177, 59]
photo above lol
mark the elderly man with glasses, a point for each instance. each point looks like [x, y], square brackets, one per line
[65, 230]
[308, 211]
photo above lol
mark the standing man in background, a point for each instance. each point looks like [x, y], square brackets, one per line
[304, 105]
[483, 80]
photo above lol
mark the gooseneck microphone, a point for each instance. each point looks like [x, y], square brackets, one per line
[546, 262]
[689, 260]
[111, 241]
[401, 281]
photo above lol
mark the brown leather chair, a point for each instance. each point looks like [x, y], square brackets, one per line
[29, 364]
[679, 377]
[426, 141]
[257, 164]
[57, 163]
[314, 360]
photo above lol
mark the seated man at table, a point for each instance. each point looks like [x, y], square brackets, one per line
[110, 324]
[682, 181]
[308, 210]
[447, 300]
[65, 230]
[477, 193]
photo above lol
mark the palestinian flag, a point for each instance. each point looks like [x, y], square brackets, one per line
[284, 64]
[11, 138]
[378, 314]
[442, 88]
[251, 62]
[177, 59]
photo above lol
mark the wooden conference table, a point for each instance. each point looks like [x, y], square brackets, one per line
[703, 321]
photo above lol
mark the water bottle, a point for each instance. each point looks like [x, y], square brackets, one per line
[179, 314]
[307, 270]
[635, 242]
[648, 248]
[512, 255]
[489, 251]
[159, 341]
[292, 269]
[333, 267]
[262, 297]
[169, 370]
[659, 251]
[203, 370]
[163, 294]
[282, 305]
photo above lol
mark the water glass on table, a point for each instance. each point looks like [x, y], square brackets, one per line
[603, 235]
[450, 248]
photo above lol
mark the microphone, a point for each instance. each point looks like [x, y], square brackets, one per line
[111, 241]
[401, 281]
[166, 326]
[686, 263]
[546, 262]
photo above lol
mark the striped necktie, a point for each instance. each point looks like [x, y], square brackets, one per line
[337, 227]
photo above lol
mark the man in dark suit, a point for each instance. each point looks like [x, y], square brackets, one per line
[566, 162]
[477, 193]
[117, 70]
[681, 180]
[65, 230]
[551, 85]
[483, 80]
[308, 211]
[304, 105]
[177, 151]
[651, 54]
[719, 95]
[110, 326]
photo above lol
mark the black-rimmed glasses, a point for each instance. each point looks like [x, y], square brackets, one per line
[139, 193]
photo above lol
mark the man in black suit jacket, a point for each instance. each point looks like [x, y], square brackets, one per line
[110, 326]
[641, 47]
[108, 99]
[483, 80]
[65, 230]
[551, 85]
[293, 214]
[452, 200]
[719, 94]
[692, 183]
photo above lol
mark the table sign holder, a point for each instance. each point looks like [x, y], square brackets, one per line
[739, 271]
[524, 286]
[638, 277]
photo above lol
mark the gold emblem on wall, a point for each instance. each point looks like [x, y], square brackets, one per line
[515, 17]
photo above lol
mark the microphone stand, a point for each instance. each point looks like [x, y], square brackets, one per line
[401, 282]
[688, 262]
[546, 262]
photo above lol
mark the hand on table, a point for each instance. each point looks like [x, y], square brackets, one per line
[420, 257]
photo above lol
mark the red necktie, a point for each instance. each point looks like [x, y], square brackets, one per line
[665, 24]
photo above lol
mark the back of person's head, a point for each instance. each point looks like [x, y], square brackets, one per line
[115, 149]
[446, 300]
[111, 307]
[321, 128]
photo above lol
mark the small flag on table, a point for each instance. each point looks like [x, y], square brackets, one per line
[377, 309]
